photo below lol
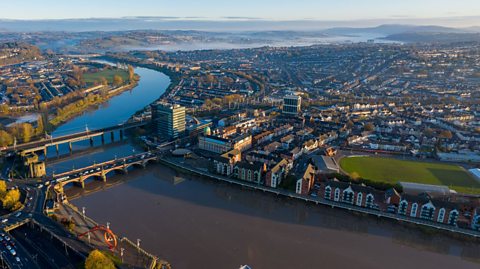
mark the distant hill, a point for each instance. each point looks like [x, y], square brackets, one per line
[391, 29]
[14, 52]
[435, 37]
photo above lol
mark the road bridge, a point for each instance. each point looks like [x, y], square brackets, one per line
[101, 170]
[42, 145]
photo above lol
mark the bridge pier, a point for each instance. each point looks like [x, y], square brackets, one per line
[103, 139]
[56, 147]
[82, 184]
[70, 147]
[45, 152]
[91, 141]
[112, 136]
[104, 177]
[121, 134]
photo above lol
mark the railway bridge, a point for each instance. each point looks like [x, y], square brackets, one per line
[43, 144]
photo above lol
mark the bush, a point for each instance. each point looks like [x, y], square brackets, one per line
[97, 260]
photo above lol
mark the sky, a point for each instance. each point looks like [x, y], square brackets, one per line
[344, 10]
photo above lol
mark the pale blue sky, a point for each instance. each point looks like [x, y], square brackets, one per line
[267, 9]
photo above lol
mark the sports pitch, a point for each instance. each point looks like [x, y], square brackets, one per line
[394, 170]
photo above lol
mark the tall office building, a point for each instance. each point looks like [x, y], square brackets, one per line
[168, 120]
[292, 104]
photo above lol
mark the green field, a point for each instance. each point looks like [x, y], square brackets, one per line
[91, 78]
[393, 170]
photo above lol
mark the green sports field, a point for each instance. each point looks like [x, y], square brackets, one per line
[106, 73]
[394, 170]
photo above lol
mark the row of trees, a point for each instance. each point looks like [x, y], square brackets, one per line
[226, 100]
[22, 132]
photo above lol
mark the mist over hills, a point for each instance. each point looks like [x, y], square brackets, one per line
[171, 33]
[225, 24]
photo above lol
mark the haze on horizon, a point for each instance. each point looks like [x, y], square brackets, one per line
[321, 10]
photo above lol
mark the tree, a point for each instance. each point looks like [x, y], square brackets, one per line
[3, 188]
[26, 131]
[445, 134]
[131, 73]
[161, 264]
[5, 138]
[103, 81]
[429, 132]
[355, 175]
[117, 80]
[40, 127]
[368, 127]
[11, 199]
[98, 260]
[350, 124]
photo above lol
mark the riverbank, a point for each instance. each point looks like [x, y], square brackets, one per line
[175, 77]
[193, 220]
[79, 107]
[319, 201]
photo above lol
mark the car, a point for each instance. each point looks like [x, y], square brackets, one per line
[18, 214]
[1, 238]
[4, 220]
[13, 252]
[9, 247]
[7, 238]
[17, 259]
[40, 186]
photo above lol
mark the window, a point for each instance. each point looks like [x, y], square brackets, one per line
[299, 186]
[403, 207]
[337, 195]
[413, 212]
[328, 192]
[441, 215]
[359, 199]
[427, 211]
[452, 219]
[348, 197]
[369, 202]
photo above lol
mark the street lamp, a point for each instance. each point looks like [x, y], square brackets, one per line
[83, 212]
[138, 244]
[121, 253]
[108, 225]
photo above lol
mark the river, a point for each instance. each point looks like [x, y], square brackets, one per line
[120, 108]
[198, 223]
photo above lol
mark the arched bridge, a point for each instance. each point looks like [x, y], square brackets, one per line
[101, 170]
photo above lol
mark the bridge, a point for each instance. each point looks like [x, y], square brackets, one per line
[42, 145]
[101, 170]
